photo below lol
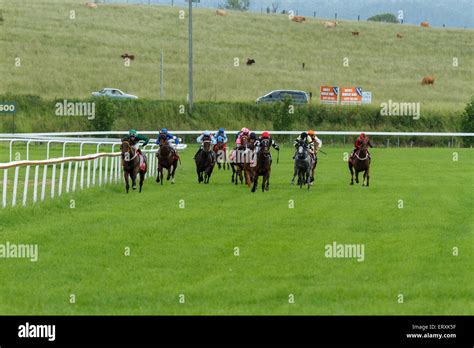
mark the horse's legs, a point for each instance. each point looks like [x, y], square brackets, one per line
[352, 173]
[125, 176]
[368, 176]
[295, 172]
[174, 170]
[357, 176]
[170, 170]
[158, 175]
[267, 186]
[134, 179]
[255, 183]
[233, 173]
[309, 177]
[142, 177]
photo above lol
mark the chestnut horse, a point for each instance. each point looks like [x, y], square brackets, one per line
[240, 162]
[221, 154]
[131, 165]
[360, 162]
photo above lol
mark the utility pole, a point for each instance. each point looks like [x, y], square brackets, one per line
[161, 77]
[190, 58]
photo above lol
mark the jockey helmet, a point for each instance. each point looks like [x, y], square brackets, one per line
[253, 136]
[207, 133]
[362, 135]
[220, 139]
[221, 130]
[304, 135]
[164, 131]
[311, 132]
[132, 133]
[245, 130]
[265, 135]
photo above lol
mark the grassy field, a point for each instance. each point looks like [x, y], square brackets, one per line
[63, 57]
[190, 250]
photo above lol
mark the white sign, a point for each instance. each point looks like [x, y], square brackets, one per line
[366, 97]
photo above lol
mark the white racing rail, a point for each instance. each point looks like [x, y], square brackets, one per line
[81, 172]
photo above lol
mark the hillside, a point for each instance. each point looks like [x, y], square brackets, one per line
[63, 57]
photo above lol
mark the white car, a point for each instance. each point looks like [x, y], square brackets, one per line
[113, 93]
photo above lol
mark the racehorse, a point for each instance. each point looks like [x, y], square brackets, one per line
[303, 165]
[360, 162]
[239, 158]
[262, 166]
[221, 154]
[131, 165]
[205, 162]
[166, 159]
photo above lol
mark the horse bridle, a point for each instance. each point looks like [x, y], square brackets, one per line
[129, 150]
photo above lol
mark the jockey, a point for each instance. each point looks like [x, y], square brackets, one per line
[252, 140]
[317, 143]
[244, 131]
[307, 140]
[221, 132]
[266, 135]
[134, 139]
[206, 135]
[170, 138]
[358, 143]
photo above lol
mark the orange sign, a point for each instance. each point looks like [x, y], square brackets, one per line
[329, 94]
[351, 95]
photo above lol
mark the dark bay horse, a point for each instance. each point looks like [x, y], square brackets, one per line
[360, 162]
[303, 165]
[167, 159]
[262, 166]
[131, 165]
[205, 162]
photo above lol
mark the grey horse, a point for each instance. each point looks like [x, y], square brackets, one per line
[303, 165]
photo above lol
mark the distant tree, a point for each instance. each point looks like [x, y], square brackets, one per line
[467, 122]
[239, 5]
[384, 17]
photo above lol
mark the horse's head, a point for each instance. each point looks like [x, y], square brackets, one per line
[127, 150]
[302, 149]
[162, 139]
[206, 145]
[364, 146]
[244, 141]
[265, 145]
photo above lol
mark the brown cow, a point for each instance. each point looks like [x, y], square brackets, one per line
[220, 13]
[425, 24]
[330, 24]
[399, 35]
[298, 19]
[428, 80]
[91, 5]
[355, 33]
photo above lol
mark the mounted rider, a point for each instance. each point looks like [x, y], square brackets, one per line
[170, 139]
[134, 139]
[243, 132]
[271, 142]
[221, 133]
[205, 136]
[308, 142]
[317, 144]
[358, 144]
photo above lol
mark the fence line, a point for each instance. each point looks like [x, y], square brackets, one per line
[105, 166]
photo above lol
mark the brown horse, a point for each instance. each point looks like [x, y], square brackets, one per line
[220, 149]
[205, 162]
[360, 162]
[167, 159]
[240, 163]
[131, 165]
[262, 166]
